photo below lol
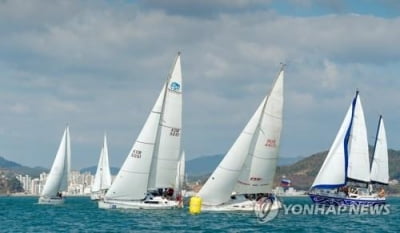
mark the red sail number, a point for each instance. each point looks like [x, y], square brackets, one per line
[270, 143]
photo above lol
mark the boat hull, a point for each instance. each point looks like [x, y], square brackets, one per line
[97, 196]
[154, 204]
[50, 201]
[238, 206]
[340, 201]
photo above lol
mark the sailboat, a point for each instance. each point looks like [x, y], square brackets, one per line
[345, 176]
[102, 179]
[147, 178]
[246, 173]
[57, 180]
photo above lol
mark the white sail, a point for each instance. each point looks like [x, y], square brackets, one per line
[333, 170]
[97, 177]
[380, 162]
[131, 181]
[152, 161]
[259, 170]
[102, 179]
[221, 183]
[68, 169]
[180, 176]
[348, 155]
[168, 147]
[107, 179]
[57, 180]
[358, 166]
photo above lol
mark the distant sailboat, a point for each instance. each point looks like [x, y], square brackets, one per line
[57, 180]
[345, 176]
[147, 178]
[247, 171]
[102, 179]
[180, 180]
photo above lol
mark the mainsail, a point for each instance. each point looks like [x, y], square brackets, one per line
[358, 167]
[168, 141]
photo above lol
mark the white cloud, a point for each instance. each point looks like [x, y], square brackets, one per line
[19, 108]
[100, 66]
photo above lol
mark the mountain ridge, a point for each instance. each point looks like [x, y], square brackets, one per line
[301, 170]
[20, 169]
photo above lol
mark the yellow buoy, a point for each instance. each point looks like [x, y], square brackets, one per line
[195, 205]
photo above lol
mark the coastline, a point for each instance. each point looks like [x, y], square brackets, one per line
[35, 195]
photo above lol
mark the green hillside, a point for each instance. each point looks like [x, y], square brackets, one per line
[20, 169]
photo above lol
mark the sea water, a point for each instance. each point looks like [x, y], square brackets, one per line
[80, 214]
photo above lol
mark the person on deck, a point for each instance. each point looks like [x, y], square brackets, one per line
[381, 192]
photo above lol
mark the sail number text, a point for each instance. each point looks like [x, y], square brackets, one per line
[174, 132]
[255, 178]
[136, 154]
[270, 143]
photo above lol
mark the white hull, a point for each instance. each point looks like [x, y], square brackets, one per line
[156, 203]
[238, 205]
[97, 196]
[51, 201]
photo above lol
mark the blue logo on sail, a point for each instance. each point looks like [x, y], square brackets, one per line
[175, 86]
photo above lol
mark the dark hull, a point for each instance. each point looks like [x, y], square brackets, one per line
[340, 201]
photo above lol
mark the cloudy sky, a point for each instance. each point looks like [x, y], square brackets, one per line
[99, 66]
